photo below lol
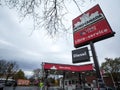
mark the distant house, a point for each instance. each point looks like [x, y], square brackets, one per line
[108, 81]
[22, 82]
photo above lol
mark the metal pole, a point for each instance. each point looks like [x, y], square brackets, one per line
[80, 78]
[112, 79]
[43, 75]
[63, 80]
[99, 77]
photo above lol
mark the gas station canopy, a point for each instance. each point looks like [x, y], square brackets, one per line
[66, 67]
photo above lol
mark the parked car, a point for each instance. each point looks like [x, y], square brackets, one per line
[9, 82]
[1, 86]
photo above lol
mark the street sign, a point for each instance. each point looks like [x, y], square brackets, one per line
[91, 26]
[80, 55]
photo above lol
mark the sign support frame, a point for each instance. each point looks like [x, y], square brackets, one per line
[99, 76]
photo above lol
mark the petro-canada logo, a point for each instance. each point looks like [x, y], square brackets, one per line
[53, 67]
[87, 19]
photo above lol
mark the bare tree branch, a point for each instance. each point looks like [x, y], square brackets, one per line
[46, 14]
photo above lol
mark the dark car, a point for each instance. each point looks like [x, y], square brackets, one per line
[1, 86]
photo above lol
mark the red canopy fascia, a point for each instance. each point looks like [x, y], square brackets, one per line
[66, 67]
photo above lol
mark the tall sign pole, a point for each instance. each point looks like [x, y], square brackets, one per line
[99, 77]
[88, 28]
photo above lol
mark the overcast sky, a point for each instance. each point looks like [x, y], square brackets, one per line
[17, 43]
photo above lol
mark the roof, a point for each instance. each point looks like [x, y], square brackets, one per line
[67, 67]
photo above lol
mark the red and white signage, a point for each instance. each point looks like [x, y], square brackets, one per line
[90, 26]
[48, 66]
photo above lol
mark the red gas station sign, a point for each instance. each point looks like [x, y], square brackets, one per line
[90, 26]
[66, 67]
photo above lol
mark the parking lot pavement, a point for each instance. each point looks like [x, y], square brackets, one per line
[53, 88]
[29, 88]
[22, 88]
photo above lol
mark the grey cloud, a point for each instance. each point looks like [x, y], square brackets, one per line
[29, 51]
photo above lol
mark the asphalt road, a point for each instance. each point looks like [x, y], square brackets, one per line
[28, 88]
[21, 88]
